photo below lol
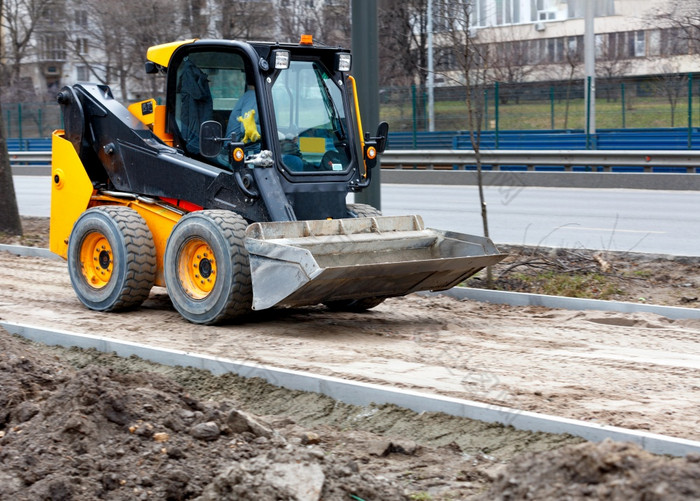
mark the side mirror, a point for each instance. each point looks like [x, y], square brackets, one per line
[210, 140]
[382, 136]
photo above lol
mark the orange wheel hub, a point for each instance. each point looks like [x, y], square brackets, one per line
[97, 260]
[196, 267]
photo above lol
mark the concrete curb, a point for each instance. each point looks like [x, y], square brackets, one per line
[568, 303]
[363, 394]
[22, 250]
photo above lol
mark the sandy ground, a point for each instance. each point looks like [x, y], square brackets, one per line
[83, 425]
[638, 371]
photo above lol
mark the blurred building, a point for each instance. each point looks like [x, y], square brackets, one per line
[105, 41]
[542, 40]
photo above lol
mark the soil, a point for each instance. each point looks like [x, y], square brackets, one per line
[85, 425]
[619, 276]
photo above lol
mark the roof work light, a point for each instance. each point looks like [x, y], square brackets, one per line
[280, 59]
[343, 61]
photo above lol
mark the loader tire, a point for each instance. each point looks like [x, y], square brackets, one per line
[207, 273]
[111, 258]
[363, 210]
[358, 305]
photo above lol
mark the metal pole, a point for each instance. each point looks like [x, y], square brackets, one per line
[365, 60]
[551, 106]
[495, 109]
[415, 110]
[589, 66]
[690, 111]
[624, 105]
[431, 73]
[486, 109]
[588, 114]
[19, 122]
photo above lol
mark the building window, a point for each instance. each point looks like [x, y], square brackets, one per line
[478, 13]
[654, 43]
[82, 46]
[600, 46]
[543, 10]
[640, 46]
[507, 12]
[53, 48]
[82, 73]
[673, 42]
[81, 18]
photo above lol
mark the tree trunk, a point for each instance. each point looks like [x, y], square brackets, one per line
[9, 214]
[482, 203]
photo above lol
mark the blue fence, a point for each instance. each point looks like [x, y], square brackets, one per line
[571, 139]
[606, 139]
[33, 144]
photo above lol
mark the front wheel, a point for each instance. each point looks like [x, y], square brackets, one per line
[111, 258]
[207, 273]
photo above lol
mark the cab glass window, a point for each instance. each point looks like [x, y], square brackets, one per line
[311, 121]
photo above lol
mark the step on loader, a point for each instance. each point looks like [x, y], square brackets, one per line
[232, 192]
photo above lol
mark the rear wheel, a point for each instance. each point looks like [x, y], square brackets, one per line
[207, 273]
[362, 210]
[111, 258]
[358, 305]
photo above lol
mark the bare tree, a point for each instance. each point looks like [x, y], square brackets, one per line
[9, 213]
[473, 61]
[194, 17]
[509, 63]
[244, 20]
[573, 55]
[327, 22]
[110, 41]
[397, 59]
[611, 62]
[681, 14]
[19, 20]
[671, 84]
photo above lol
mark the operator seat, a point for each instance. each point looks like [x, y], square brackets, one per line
[194, 104]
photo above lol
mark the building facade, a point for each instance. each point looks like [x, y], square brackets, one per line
[542, 40]
[528, 40]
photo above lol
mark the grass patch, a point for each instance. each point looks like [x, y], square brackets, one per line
[588, 285]
[640, 112]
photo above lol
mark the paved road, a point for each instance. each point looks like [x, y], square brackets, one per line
[655, 221]
[620, 220]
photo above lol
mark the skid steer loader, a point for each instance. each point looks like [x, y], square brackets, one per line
[232, 193]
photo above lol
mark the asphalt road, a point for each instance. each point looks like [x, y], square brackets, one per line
[665, 222]
[652, 221]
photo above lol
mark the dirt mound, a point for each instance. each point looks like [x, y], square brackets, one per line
[99, 432]
[96, 433]
[609, 470]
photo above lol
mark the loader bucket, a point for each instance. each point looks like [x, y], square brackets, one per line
[310, 262]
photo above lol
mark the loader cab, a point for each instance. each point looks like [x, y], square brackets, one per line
[303, 112]
[210, 84]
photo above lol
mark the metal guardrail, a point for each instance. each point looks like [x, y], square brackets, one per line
[595, 160]
[21, 158]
